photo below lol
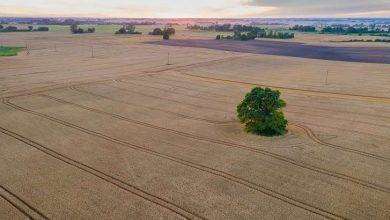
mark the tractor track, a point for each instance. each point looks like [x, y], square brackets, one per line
[347, 120]
[27, 207]
[231, 103]
[175, 86]
[183, 83]
[223, 95]
[310, 133]
[83, 61]
[147, 107]
[194, 65]
[169, 91]
[56, 86]
[116, 62]
[141, 71]
[340, 95]
[84, 58]
[254, 186]
[314, 138]
[97, 67]
[32, 58]
[162, 98]
[167, 81]
[101, 175]
[303, 165]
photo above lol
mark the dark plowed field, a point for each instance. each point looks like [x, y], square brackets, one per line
[292, 49]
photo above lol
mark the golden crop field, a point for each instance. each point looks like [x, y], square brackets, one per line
[100, 126]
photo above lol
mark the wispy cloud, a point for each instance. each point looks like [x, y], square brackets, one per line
[328, 8]
[199, 8]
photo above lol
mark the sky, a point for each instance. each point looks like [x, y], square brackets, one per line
[195, 8]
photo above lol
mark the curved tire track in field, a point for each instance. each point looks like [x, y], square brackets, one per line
[167, 90]
[97, 67]
[223, 95]
[337, 94]
[23, 207]
[314, 138]
[101, 175]
[231, 103]
[147, 107]
[142, 71]
[224, 175]
[146, 80]
[235, 145]
[310, 134]
[166, 99]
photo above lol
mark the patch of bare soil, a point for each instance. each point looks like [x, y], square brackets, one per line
[291, 49]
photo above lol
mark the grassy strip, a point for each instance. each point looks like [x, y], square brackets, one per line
[9, 51]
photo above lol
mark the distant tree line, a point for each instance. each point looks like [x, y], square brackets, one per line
[380, 34]
[216, 27]
[225, 28]
[74, 29]
[127, 29]
[360, 30]
[245, 33]
[246, 28]
[366, 40]
[276, 35]
[303, 28]
[16, 29]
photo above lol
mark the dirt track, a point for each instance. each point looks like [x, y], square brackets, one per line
[292, 49]
[123, 135]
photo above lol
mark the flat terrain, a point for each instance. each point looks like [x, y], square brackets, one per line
[292, 49]
[119, 134]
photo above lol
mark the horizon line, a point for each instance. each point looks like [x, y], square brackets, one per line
[238, 18]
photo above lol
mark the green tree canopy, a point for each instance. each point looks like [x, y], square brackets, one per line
[165, 35]
[261, 113]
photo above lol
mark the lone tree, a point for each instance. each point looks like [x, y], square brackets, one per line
[127, 29]
[261, 113]
[166, 35]
[74, 28]
[156, 31]
[167, 32]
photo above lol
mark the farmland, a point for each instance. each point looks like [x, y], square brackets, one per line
[9, 51]
[99, 126]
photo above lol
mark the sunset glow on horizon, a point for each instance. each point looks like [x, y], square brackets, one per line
[195, 9]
